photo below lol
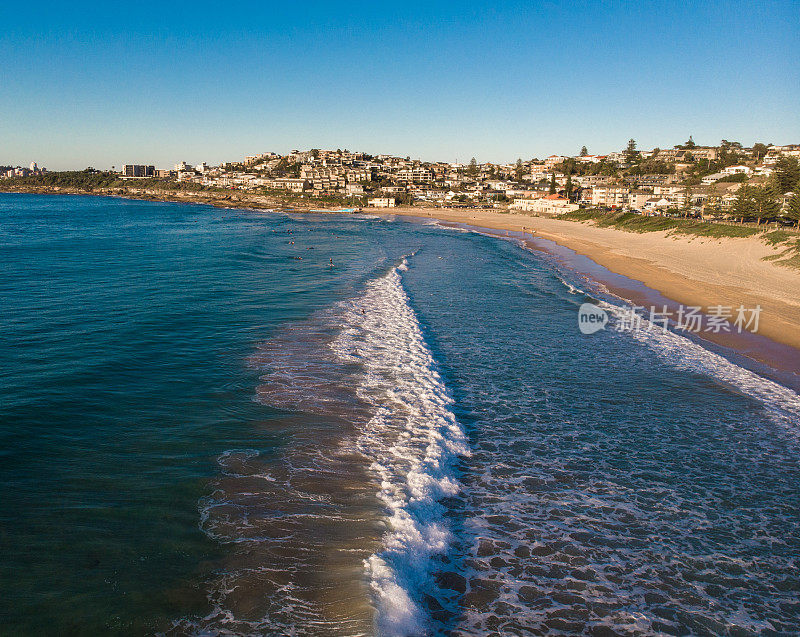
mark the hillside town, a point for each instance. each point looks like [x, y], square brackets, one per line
[723, 181]
[33, 169]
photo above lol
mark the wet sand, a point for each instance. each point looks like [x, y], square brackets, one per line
[657, 268]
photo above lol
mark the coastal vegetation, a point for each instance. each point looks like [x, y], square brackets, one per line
[91, 181]
[633, 222]
[786, 240]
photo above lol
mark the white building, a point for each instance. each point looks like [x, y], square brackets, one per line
[381, 202]
[554, 160]
[738, 170]
[550, 205]
[637, 199]
[288, 183]
[610, 196]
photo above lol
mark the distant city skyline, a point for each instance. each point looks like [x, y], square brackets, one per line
[90, 84]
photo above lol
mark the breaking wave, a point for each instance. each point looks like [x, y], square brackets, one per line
[413, 441]
[340, 533]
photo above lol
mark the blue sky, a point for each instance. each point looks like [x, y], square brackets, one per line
[104, 84]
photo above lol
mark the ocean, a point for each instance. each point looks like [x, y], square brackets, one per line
[238, 422]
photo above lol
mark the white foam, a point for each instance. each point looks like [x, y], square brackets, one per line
[685, 353]
[413, 440]
[781, 402]
[570, 288]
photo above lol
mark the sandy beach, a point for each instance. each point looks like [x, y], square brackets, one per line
[688, 270]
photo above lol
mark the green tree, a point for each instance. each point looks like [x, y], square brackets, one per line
[711, 206]
[472, 169]
[744, 206]
[759, 150]
[584, 151]
[690, 143]
[792, 210]
[630, 151]
[787, 174]
[686, 206]
[767, 203]
[755, 203]
[519, 169]
[553, 184]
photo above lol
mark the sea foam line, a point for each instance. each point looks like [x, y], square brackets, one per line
[779, 401]
[682, 352]
[413, 440]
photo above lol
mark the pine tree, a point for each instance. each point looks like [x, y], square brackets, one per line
[744, 205]
[553, 184]
[584, 151]
[472, 169]
[793, 209]
[787, 173]
[766, 202]
[519, 170]
[568, 187]
[630, 150]
[686, 208]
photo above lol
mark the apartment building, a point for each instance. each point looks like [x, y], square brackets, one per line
[590, 181]
[550, 205]
[418, 175]
[288, 183]
[138, 170]
[610, 196]
[637, 199]
[554, 160]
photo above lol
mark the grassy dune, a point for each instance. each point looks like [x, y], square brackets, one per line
[788, 241]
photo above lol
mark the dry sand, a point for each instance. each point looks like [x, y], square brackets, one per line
[689, 270]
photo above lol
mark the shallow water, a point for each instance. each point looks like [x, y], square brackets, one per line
[202, 432]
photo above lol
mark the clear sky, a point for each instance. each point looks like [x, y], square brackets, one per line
[101, 84]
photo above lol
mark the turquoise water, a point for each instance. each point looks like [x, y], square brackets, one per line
[206, 427]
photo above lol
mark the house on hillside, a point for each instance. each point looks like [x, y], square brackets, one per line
[551, 205]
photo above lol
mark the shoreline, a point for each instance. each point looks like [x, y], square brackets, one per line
[754, 351]
[653, 266]
[615, 259]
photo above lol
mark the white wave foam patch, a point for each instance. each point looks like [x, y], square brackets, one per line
[781, 402]
[414, 442]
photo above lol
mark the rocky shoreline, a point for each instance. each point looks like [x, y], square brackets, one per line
[233, 199]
